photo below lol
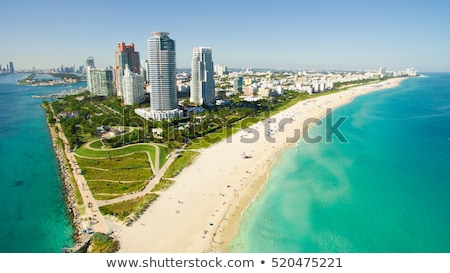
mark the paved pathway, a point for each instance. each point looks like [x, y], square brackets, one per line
[91, 206]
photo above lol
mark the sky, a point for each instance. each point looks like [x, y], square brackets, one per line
[290, 34]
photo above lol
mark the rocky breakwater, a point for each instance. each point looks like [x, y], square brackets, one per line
[69, 187]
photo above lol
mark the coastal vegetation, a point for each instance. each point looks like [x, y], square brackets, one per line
[163, 184]
[183, 160]
[102, 243]
[129, 210]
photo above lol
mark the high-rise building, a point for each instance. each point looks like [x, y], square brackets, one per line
[89, 62]
[162, 72]
[202, 81]
[100, 81]
[132, 87]
[237, 84]
[162, 79]
[11, 67]
[125, 56]
[144, 70]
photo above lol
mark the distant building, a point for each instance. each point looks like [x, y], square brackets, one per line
[11, 67]
[202, 80]
[158, 115]
[382, 72]
[279, 90]
[132, 87]
[248, 81]
[144, 70]
[250, 90]
[220, 70]
[89, 62]
[264, 92]
[125, 56]
[237, 84]
[100, 81]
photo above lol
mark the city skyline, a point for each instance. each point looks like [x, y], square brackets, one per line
[291, 34]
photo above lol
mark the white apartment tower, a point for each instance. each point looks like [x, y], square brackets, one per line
[132, 87]
[100, 81]
[162, 72]
[202, 82]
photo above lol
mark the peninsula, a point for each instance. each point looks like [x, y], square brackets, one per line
[188, 186]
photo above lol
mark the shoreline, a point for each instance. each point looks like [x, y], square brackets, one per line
[84, 217]
[202, 211]
[69, 191]
[229, 227]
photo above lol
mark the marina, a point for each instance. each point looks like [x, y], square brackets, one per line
[61, 94]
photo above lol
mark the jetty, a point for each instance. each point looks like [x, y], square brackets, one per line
[29, 79]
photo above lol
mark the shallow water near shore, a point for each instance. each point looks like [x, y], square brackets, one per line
[32, 206]
[384, 191]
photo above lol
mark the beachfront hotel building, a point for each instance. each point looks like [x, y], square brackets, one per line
[125, 56]
[202, 81]
[132, 87]
[100, 81]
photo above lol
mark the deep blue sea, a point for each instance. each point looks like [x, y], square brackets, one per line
[386, 190]
[32, 208]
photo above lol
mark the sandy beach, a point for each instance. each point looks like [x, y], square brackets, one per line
[201, 212]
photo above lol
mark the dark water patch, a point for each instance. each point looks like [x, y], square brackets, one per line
[18, 183]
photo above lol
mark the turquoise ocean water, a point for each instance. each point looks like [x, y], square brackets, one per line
[32, 208]
[387, 190]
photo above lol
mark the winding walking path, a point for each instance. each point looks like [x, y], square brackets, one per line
[155, 180]
[154, 165]
[157, 171]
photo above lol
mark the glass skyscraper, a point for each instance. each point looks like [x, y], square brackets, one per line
[202, 82]
[162, 72]
[100, 81]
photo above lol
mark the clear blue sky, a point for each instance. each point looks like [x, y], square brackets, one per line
[274, 34]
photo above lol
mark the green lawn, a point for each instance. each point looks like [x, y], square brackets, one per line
[98, 144]
[109, 178]
[84, 151]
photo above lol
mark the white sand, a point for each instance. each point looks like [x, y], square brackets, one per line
[202, 210]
